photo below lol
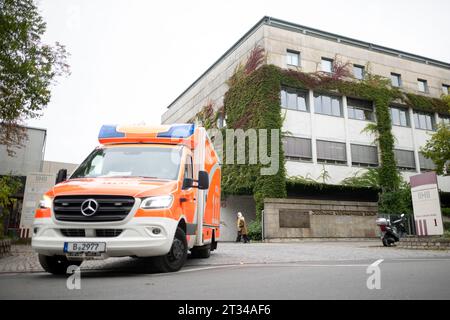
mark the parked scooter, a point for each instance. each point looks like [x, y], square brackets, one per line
[391, 232]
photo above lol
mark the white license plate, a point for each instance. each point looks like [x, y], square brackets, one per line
[84, 247]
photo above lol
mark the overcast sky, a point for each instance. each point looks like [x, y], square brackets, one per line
[130, 59]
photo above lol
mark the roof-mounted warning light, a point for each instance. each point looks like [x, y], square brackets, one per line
[173, 134]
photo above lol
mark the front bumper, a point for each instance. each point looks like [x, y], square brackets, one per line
[136, 239]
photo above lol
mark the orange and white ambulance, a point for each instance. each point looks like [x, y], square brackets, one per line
[147, 191]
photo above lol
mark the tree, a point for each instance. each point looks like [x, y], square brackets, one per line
[8, 187]
[438, 149]
[397, 201]
[28, 68]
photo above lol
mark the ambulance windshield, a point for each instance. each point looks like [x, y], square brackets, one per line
[131, 162]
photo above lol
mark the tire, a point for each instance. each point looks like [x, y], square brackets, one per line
[56, 264]
[389, 241]
[201, 252]
[175, 259]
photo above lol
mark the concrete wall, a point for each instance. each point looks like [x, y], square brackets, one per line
[303, 218]
[230, 206]
[28, 158]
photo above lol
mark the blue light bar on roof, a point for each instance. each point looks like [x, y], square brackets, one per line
[178, 131]
[109, 131]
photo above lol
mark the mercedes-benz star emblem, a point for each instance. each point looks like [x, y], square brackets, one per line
[89, 207]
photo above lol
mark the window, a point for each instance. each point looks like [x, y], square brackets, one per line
[327, 65]
[399, 117]
[294, 99]
[405, 159]
[329, 105]
[423, 85]
[425, 163]
[297, 148]
[293, 58]
[360, 109]
[358, 72]
[364, 156]
[188, 169]
[444, 119]
[396, 80]
[127, 162]
[331, 152]
[220, 121]
[445, 89]
[423, 120]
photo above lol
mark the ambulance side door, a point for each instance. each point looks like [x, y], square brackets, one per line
[188, 195]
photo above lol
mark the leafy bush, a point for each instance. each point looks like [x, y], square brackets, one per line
[447, 226]
[397, 202]
[255, 230]
[446, 212]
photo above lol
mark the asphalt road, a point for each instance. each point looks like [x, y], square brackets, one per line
[402, 278]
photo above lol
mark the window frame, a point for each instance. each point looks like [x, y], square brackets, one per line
[398, 76]
[363, 71]
[331, 61]
[365, 164]
[372, 110]
[421, 156]
[331, 161]
[293, 52]
[417, 113]
[288, 90]
[445, 89]
[425, 84]
[299, 158]
[341, 105]
[444, 119]
[405, 109]
[403, 168]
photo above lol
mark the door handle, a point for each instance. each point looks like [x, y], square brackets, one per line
[183, 199]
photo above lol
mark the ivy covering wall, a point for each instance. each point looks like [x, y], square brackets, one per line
[253, 101]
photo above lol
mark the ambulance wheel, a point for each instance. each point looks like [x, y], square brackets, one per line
[175, 259]
[56, 264]
[201, 252]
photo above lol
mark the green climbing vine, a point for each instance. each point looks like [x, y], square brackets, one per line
[253, 101]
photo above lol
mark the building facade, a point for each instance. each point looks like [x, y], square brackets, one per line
[328, 131]
[28, 163]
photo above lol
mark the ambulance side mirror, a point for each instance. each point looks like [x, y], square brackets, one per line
[61, 176]
[203, 180]
[188, 183]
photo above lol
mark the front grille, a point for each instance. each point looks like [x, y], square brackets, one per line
[108, 233]
[100, 233]
[110, 208]
[73, 232]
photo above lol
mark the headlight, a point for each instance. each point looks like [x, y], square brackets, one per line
[157, 202]
[46, 202]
